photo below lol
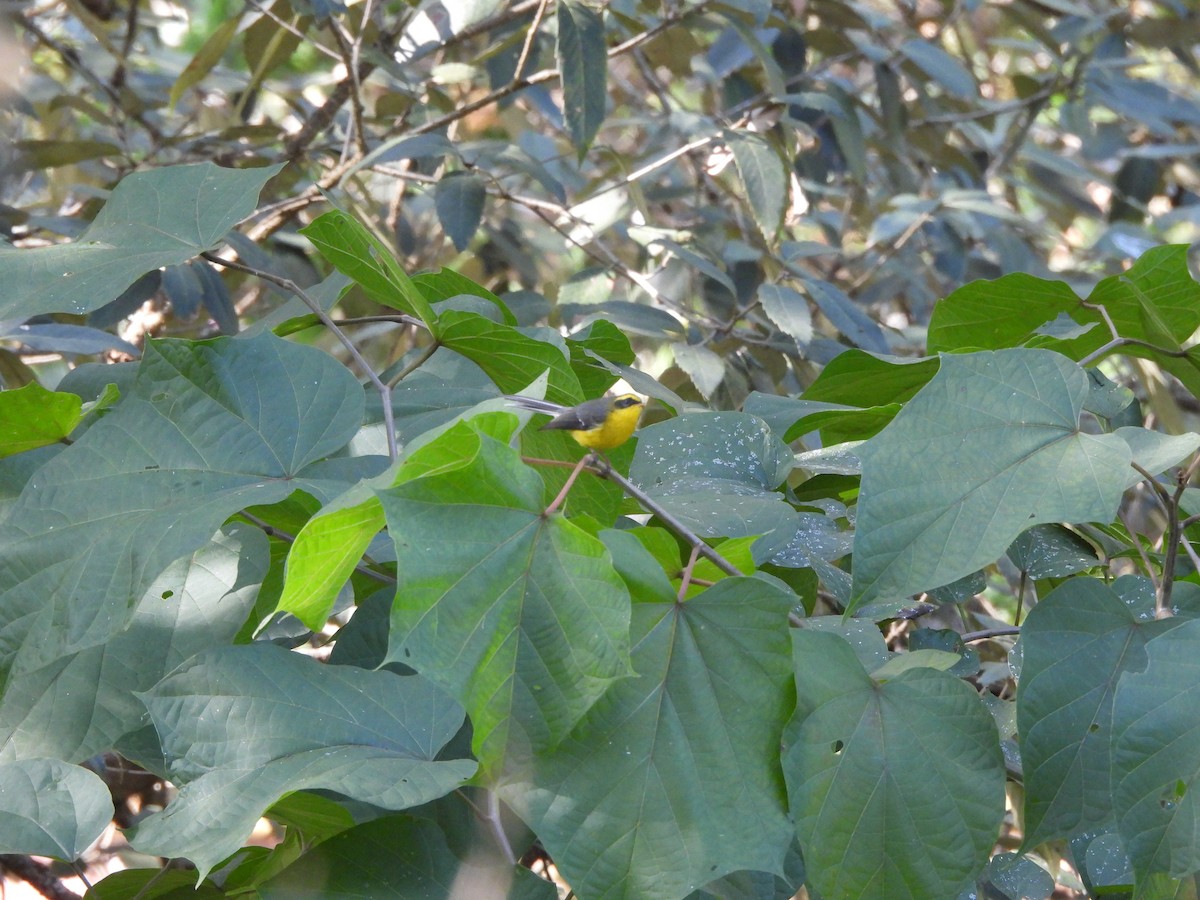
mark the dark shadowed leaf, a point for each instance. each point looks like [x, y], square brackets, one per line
[144, 225]
[373, 736]
[459, 198]
[583, 65]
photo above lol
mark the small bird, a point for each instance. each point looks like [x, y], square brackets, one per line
[601, 424]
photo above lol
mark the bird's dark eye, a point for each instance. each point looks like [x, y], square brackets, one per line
[626, 402]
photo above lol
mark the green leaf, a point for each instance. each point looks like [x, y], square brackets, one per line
[40, 155]
[703, 366]
[1156, 755]
[583, 66]
[154, 884]
[459, 199]
[640, 801]
[354, 251]
[159, 217]
[519, 616]
[244, 725]
[206, 58]
[862, 772]
[1015, 877]
[849, 319]
[83, 704]
[1051, 551]
[207, 429]
[717, 472]
[788, 309]
[51, 808]
[992, 315]
[765, 178]
[446, 283]
[512, 359]
[35, 417]
[1002, 432]
[943, 68]
[1156, 301]
[1076, 645]
[860, 379]
[400, 857]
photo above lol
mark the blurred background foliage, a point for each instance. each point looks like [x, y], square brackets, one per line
[747, 186]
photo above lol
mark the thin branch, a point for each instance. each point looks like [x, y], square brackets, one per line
[385, 392]
[545, 75]
[1137, 545]
[292, 29]
[604, 470]
[530, 37]
[131, 24]
[686, 580]
[1119, 342]
[1003, 630]
[346, 47]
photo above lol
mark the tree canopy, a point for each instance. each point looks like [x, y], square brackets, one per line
[891, 596]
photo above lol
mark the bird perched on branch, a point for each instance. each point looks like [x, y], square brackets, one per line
[601, 424]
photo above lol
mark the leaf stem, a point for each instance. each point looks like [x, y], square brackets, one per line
[497, 827]
[686, 580]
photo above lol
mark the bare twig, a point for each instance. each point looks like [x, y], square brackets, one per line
[530, 37]
[686, 579]
[1001, 631]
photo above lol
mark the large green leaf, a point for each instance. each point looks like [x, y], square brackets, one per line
[1076, 644]
[672, 778]
[207, 429]
[50, 808]
[583, 66]
[160, 217]
[244, 725]
[991, 446]
[405, 858]
[1156, 301]
[1156, 755]
[510, 357]
[353, 250]
[520, 616]
[858, 378]
[897, 789]
[717, 472]
[82, 704]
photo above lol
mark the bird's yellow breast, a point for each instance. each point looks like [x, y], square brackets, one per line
[615, 430]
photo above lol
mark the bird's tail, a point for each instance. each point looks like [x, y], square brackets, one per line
[534, 405]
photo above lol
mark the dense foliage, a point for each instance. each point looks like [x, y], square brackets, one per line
[909, 289]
